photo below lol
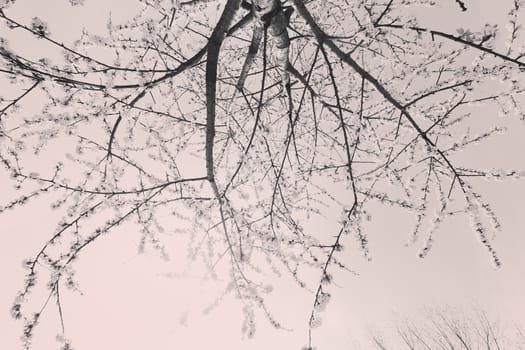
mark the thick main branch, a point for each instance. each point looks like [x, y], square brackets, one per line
[214, 46]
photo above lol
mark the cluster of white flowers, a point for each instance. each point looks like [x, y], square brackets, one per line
[76, 2]
[39, 26]
[6, 3]
[323, 298]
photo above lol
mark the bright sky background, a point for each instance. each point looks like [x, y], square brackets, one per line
[128, 301]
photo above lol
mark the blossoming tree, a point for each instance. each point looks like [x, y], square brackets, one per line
[244, 121]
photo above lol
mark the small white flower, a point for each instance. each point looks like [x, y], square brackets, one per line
[39, 26]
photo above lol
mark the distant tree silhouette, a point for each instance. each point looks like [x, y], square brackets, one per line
[447, 328]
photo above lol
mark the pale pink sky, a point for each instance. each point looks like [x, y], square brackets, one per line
[128, 301]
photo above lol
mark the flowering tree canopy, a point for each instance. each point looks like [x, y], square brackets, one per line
[237, 123]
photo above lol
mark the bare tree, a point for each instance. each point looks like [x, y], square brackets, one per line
[448, 329]
[247, 125]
